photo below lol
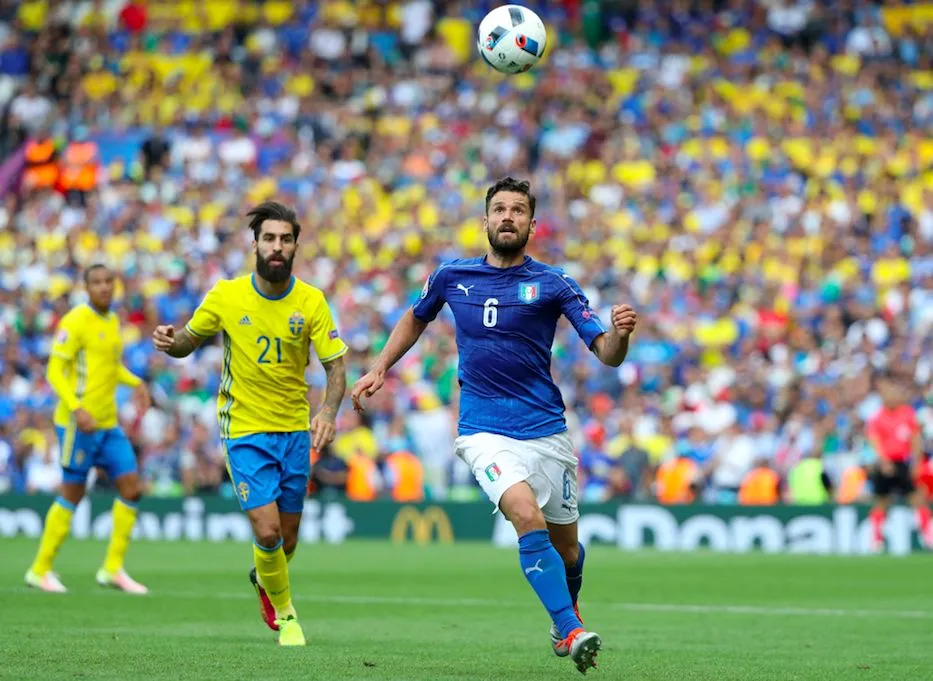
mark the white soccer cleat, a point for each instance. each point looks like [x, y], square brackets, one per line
[582, 646]
[583, 650]
[48, 582]
[558, 649]
[122, 581]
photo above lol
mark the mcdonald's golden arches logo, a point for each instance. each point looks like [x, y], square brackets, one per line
[423, 526]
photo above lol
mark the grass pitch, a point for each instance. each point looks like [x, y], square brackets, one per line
[381, 612]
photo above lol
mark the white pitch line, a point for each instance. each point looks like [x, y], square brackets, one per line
[678, 608]
[769, 611]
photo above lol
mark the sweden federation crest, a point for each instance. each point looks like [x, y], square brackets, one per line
[296, 323]
[529, 292]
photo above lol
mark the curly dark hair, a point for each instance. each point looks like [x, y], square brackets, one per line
[272, 210]
[510, 184]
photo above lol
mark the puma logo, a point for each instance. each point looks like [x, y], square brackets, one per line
[465, 289]
[534, 568]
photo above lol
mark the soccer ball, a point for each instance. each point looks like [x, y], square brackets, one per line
[511, 38]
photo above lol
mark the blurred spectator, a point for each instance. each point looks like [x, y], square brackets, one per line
[807, 482]
[43, 472]
[734, 458]
[329, 474]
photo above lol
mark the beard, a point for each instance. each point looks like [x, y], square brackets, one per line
[274, 272]
[511, 247]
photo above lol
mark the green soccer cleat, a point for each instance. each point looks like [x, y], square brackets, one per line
[290, 633]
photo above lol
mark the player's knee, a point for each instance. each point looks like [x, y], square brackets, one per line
[268, 537]
[129, 488]
[524, 514]
[570, 553]
[72, 492]
[289, 544]
[133, 494]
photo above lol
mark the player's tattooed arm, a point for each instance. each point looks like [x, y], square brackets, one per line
[323, 425]
[336, 385]
[180, 343]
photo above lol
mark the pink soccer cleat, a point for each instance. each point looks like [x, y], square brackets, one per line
[122, 581]
[48, 582]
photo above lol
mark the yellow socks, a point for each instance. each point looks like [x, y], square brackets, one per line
[272, 571]
[57, 526]
[124, 518]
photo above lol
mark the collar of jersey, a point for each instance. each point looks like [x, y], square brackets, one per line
[291, 285]
[98, 314]
[524, 262]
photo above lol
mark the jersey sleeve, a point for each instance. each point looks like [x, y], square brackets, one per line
[576, 308]
[67, 338]
[432, 297]
[324, 335]
[207, 320]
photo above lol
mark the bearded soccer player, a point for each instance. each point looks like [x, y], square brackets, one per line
[512, 431]
[84, 371]
[269, 322]
[895, 436]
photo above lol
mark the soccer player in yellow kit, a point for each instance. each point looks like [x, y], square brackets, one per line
[84, 370]
[269, 322]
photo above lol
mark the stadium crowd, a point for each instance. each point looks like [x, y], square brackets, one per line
[752, 175]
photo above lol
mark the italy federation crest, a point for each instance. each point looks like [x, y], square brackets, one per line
[296, 323]
[529, 292]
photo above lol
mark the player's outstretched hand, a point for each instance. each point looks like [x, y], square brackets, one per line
[143, 400]
[367, 386]
[624, 319]
[324, 428]
[163, 337]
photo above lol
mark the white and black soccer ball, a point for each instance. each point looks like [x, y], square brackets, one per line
[511, 38]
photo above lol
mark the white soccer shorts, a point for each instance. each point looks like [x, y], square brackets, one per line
[547, 464]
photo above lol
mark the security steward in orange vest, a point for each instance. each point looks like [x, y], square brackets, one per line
[363, 479]
[404, 477]
[41, 170]
[79, 166]
[761, 486]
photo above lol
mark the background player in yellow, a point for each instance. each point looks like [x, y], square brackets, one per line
[84, 370]
[269, 320]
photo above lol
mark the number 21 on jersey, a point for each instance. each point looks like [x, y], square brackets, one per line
[265, 343]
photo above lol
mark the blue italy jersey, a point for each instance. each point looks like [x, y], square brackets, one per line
[506, 320]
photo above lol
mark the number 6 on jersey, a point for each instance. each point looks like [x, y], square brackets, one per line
[490, 312]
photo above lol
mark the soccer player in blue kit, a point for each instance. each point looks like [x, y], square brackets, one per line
[512, 431]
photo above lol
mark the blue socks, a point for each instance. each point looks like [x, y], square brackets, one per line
[544, 569]
[575, 576]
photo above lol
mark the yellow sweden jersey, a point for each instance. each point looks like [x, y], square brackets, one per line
[266, 346]
[92, 347]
